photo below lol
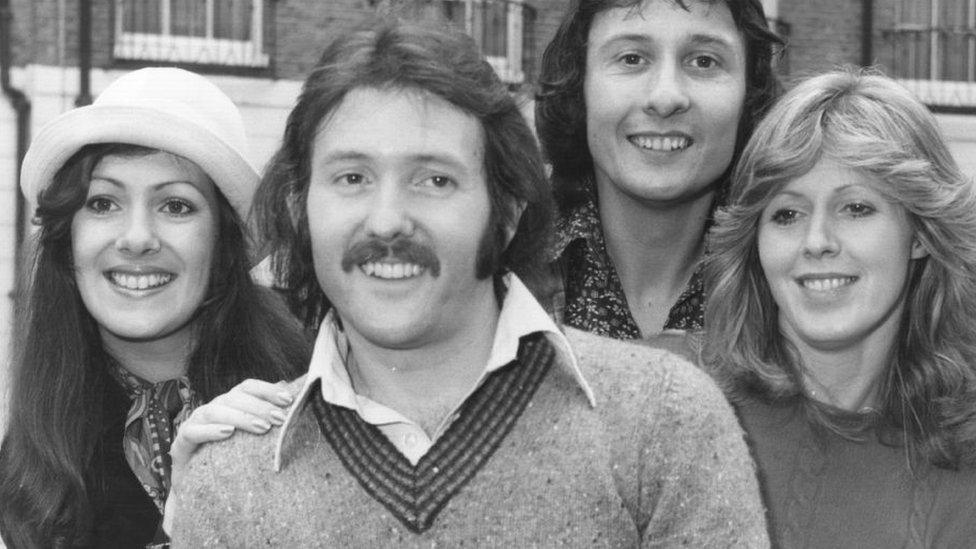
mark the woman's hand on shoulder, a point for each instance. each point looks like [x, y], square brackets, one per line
[253, 406]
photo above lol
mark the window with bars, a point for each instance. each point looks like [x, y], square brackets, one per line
[210, 32]
[497, 26]
[933, 48]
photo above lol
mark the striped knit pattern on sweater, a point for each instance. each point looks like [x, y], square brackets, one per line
[414, 494]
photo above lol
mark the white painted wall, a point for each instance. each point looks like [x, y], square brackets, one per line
[8, 204]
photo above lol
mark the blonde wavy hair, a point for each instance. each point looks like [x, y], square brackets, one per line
[867, 122]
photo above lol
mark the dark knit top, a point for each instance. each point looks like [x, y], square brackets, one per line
[123, 514]
[659, 462]
[823, 490]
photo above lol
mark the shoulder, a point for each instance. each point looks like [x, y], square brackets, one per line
[216, 492]
[680, 457]
[614, 364]
[217, 468]
[653, 391]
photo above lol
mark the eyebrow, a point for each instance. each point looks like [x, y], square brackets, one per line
[712, 40]
[697, 39]
[836, 191]
[421, 158]
[156, 187]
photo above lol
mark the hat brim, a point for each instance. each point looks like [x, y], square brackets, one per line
[63, 137]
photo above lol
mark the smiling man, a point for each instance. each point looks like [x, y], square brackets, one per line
[643, 108]
[442, 405]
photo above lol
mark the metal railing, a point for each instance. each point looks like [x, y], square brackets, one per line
[205, 32]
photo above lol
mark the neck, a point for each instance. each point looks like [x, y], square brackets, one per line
[427, 381]
[848, 377]
[156, 360]
[654, 248]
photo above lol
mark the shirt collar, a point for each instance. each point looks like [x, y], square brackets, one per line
[580, 223]
[520, 315]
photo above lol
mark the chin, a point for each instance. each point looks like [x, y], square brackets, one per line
[393, 335]
[144, 329]
[136, 334]
[832, 340]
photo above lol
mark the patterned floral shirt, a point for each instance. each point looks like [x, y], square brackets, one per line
[593, 298]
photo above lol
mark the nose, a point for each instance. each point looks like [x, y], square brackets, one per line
[820, 239]
[668, 94]
[139, 236]
[388, 215]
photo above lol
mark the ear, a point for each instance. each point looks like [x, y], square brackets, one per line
[517, 208]
[918, 250]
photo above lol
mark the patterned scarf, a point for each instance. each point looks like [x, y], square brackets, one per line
[157, 410]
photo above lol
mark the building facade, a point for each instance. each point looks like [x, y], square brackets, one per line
[928, 45]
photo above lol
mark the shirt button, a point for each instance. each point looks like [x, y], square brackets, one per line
[410, 440]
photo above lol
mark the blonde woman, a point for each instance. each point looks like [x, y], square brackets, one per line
[841, 317]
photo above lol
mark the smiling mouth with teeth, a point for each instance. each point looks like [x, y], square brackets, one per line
[391, 270]
[827, 284]
[664, 144]
[140, 281]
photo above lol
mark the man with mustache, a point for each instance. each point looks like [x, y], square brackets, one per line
[442, 405]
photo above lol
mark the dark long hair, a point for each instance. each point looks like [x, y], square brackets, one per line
[59, 372]
[560, 109]
[388, 53]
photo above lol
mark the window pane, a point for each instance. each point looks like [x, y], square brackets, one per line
[141, 16]
[955, 40]
[495, 28]
[232, 19]
[913, 40]
[188, 17]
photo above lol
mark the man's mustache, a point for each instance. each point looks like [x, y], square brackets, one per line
[400, 250]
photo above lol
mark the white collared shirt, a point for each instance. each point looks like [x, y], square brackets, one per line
[520, 315]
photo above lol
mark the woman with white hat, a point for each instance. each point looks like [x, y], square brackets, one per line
[140, 306]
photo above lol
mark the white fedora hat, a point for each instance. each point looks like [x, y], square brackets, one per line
[169, 109]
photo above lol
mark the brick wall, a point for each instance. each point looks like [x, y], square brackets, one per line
[824, 33]
[46, 31]
[304, 27]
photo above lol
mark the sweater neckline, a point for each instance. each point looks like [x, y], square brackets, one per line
[415, 494]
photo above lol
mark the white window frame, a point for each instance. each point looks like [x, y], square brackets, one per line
[934, 91]
[204, 50]
[509, 66]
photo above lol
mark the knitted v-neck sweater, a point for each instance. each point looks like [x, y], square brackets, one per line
[827, 491]
[660, 461]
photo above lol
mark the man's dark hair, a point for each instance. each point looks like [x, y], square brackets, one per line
[560, 111]
[388, 53]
